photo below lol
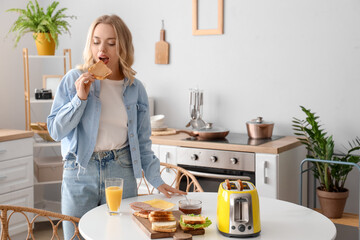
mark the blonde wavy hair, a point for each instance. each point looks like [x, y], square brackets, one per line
[124, 45]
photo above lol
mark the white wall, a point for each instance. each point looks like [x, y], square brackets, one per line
[274, 55]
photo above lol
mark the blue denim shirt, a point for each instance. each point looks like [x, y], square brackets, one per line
[76, 122]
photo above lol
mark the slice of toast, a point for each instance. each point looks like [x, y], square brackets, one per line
[100, 70]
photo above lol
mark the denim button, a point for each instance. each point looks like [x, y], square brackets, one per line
[133, 149]
[130, 121]
[131, 135]
[128, 108]
[136, 161]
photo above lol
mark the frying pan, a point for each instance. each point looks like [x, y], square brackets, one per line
[206, 134]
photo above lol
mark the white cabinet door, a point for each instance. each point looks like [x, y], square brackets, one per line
[16, 174]
[24, 198]
[267, 181]
[168, 155]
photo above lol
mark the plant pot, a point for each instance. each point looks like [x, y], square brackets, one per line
[43, 46]
[332, 203]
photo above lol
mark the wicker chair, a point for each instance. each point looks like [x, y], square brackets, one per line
[179, 174]
[8, 211]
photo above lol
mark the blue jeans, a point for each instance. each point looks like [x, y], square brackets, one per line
[84, 189]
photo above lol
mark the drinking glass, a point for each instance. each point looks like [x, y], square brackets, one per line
[113, 193]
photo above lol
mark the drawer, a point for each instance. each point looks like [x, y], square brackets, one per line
[24, 198]
[16, 174]
[16, 148]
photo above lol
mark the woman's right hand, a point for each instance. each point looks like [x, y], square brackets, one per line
[83, 84]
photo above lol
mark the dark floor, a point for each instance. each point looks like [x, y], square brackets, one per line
[347, 233]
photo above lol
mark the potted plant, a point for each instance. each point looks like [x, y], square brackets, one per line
[46, 26]
[331, 192]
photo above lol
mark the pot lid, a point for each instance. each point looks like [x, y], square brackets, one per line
[258, 120]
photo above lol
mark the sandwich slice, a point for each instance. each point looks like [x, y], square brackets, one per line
[164, 226]
[162, 221]
[100, 70]
[193, 222]
[161, 216]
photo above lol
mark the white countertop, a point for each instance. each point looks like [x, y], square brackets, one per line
[279, 220]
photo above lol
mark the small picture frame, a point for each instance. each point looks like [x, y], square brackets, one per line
[220, 20]
[51, 82]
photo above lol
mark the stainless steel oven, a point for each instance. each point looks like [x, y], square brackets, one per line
[211, 167]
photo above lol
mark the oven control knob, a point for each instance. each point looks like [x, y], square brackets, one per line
[194, 157]
[213, 158]
[233, 160]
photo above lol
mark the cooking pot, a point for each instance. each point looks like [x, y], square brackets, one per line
[207, 133]
[257, 128]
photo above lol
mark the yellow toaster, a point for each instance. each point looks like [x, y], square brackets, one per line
[238, 210]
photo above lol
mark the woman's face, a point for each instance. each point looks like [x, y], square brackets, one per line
[103, 46]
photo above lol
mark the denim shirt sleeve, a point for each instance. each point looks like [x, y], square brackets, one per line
[67, 107]
[149, 162]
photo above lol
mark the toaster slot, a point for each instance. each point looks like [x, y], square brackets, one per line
[241, 210]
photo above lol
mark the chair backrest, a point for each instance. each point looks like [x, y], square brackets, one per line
[8, 211]
[180, 174]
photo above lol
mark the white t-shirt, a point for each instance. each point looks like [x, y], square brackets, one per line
[113, 129]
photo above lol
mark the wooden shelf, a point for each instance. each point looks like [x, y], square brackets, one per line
[349, 219]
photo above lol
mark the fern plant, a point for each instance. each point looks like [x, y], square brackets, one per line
[332, 177]
[34, 19]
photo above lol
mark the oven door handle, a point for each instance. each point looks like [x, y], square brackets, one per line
[218, 176]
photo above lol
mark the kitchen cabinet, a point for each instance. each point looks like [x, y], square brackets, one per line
[276, 174]
[166, 154]
[16, 173]
[47, 155]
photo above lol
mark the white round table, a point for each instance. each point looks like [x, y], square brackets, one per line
[279, 220]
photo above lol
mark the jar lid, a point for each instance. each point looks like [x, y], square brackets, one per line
[258, 120]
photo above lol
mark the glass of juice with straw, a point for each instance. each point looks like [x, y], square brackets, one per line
[113, 193]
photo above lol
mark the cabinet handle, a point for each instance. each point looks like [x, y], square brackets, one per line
[265, 167]
[3, 178]
[2, 151]
[167, 155]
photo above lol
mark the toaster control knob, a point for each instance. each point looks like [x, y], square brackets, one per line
[241, 228]
[213, 158]
[233, 160]
[194, 157]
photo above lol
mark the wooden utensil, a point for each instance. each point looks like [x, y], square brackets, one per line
[162, 48]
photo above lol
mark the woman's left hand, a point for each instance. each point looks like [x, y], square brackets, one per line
[167, 190]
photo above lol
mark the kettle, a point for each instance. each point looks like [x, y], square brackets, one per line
[238, 210]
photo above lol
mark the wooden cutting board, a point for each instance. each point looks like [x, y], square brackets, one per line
[145, 225]
[162, 50]
[168, 131]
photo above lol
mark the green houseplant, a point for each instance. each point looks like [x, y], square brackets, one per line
[45, 25]
[320, 145]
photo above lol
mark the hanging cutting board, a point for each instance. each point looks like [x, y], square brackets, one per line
[162, 50]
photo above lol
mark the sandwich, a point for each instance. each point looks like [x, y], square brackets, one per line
[193, 222]
[100, 70]
[162, 221]
[142, 213]
[161, 216]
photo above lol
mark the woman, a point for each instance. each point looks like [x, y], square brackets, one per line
[104, 126]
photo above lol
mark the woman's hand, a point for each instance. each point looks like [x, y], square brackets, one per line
[83, 84]
[167, 190]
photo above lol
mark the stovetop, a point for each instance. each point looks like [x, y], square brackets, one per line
[237, 139]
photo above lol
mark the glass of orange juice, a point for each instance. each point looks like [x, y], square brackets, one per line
[113, 193]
